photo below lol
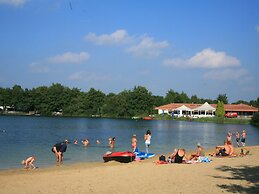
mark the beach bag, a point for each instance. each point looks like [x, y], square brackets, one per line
[162, 158]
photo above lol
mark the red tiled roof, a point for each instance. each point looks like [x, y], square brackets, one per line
[228, 107]
[240, 107]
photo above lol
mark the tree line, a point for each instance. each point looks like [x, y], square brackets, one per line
[138, 101]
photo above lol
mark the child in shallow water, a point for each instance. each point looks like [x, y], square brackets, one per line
[28, 163]
[134, 143]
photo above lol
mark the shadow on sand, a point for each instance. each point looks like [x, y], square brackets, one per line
[247, 173]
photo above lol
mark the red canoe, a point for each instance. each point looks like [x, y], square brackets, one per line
[147, 118]
[124, 157]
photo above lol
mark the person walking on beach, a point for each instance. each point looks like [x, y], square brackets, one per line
[237, 138]
[59, 149]
[28, 163]
[134, 143]
[147, 138]
[243, 138]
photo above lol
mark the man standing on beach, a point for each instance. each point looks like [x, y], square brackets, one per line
[58, 149]
[243, 138]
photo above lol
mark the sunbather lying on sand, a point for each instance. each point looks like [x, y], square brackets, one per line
[179, 156]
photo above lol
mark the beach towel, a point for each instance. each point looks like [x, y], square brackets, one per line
[204, 159]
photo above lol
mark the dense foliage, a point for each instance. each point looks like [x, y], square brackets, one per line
[220, 111]
[139, 101]
[255, 119]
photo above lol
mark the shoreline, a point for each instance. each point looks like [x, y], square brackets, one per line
[100, 163]
[232, 174]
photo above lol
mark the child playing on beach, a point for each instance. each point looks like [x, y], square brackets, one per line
[134, 143]
[28, 163]
[147, 138]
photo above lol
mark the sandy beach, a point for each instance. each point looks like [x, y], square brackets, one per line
[222, 175]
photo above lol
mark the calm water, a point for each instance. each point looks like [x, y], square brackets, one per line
[25, 136]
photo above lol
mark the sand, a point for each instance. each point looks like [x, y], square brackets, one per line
[222, 175]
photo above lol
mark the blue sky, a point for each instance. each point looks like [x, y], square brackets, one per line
[203, 48]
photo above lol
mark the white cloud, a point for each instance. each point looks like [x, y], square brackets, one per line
[207, 58]
[15, 3]
[86, 76]
[148, 47]
[117, 37]
[227, 74]
[38, 68]
[69, 57]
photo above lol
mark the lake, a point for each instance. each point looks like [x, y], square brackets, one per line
[22, 136]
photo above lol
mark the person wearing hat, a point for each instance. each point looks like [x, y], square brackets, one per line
[59, 149]
[199, 152]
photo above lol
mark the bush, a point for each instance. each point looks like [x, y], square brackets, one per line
[255, 119]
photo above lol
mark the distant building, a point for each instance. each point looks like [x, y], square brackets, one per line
[204, 110]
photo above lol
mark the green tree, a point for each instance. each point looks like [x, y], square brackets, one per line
[171, 96]
[194, 99]
[41, 100]
[220, 111]
[223, 98]
[157, 100]
[93, 102]
[255, 103]
[255, 119]
[76, 105]
[140, 101]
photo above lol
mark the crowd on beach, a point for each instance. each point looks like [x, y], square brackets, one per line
[178, 156]
[225, 150]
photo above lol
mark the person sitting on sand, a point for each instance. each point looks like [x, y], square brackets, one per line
[222, 150]
[134, 143]
[28, 163]
[199, 152]
[231, 148]
[178, 156]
